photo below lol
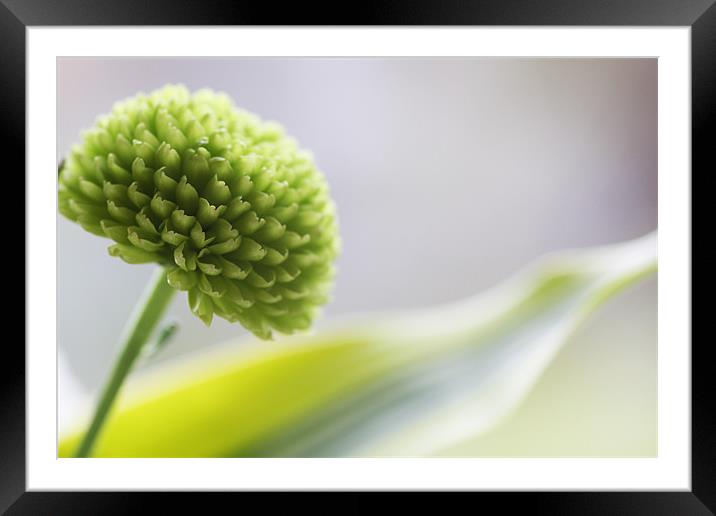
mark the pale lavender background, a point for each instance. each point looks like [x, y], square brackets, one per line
[449, 175]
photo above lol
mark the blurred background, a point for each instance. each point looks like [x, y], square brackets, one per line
[450, 174]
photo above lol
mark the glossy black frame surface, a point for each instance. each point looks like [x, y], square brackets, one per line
[16, 15]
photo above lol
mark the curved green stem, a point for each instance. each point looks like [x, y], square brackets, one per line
[144, 319]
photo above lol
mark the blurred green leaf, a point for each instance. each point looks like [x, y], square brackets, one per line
[403, 384]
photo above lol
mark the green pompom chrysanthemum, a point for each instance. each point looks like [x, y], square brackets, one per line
[236, 212]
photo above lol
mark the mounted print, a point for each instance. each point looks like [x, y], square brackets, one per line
[442, 249]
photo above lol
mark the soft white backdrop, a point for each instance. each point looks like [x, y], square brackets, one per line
[449, 175]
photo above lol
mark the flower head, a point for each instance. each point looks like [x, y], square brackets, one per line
[236, 212]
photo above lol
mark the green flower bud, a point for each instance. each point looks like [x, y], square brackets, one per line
[236, 212]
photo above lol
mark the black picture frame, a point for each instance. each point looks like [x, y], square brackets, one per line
[17, 15]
